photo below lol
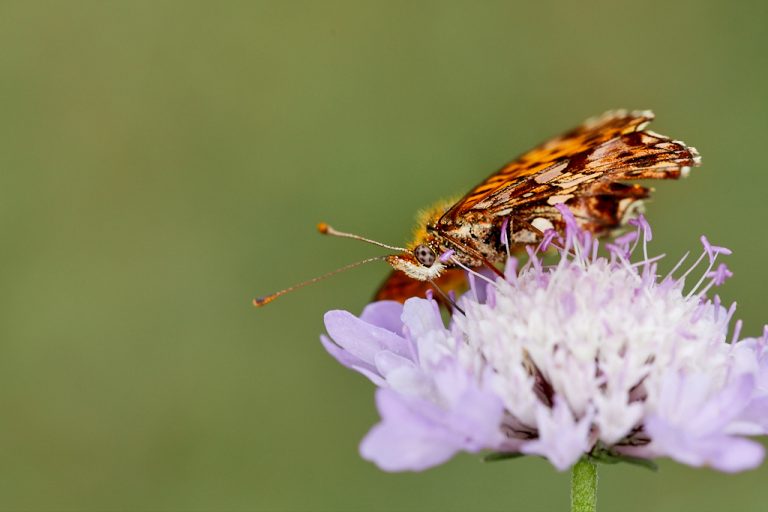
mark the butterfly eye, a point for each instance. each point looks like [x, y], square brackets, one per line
[424, 254]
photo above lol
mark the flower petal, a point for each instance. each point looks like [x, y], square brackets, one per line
[404, 440]
[421, 316]
[362, 339]
[562, 439]
[385, 314]
[417, 432]
[351, 361]
[722, 452]
[692, 426]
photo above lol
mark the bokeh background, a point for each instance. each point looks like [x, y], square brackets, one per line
[162, 162]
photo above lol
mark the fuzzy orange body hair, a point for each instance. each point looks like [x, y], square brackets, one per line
[428, 217]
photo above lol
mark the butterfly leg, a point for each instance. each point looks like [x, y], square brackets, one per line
[533, 229]
[530, 227]
[447, 298]
[475, 254]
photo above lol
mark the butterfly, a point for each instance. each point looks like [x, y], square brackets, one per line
[585, 169]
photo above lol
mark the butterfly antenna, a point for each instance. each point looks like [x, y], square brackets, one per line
[325, 229]
[266, 299]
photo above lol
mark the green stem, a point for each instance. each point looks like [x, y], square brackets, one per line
[584, 486]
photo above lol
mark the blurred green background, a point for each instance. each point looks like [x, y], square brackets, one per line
[162, 162]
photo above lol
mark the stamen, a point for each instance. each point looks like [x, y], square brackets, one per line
[677, 266]
[471, 271]
[571, 228]
[718, 276]
[713, 250]
[510, 271]
[547, 239]
[736, 331]
[642, 224]
[595, 251]
[699, 312]
[706, 274]
[623, 241]
[695, 264]
[505, 235]
[647, 261]
[533, 260]
[473, 287]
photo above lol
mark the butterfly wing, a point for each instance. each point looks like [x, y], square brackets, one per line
[582, 168]
[398, 286]
[582, 162]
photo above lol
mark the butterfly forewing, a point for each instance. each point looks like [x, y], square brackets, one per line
[583, 169]
[611, 147]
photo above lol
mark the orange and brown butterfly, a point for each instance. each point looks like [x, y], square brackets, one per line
[585, 169]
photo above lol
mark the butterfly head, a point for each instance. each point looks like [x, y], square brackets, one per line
[421, 263]
[421, 260]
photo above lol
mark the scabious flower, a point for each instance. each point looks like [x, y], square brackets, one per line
[592, 355]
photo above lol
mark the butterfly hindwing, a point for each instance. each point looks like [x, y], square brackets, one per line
[398, 286]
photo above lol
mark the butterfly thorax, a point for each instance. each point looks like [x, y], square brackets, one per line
[439, 244]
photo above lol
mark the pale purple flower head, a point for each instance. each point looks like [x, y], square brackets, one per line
[594, 355]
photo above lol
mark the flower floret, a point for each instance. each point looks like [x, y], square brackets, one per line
[593, 353]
